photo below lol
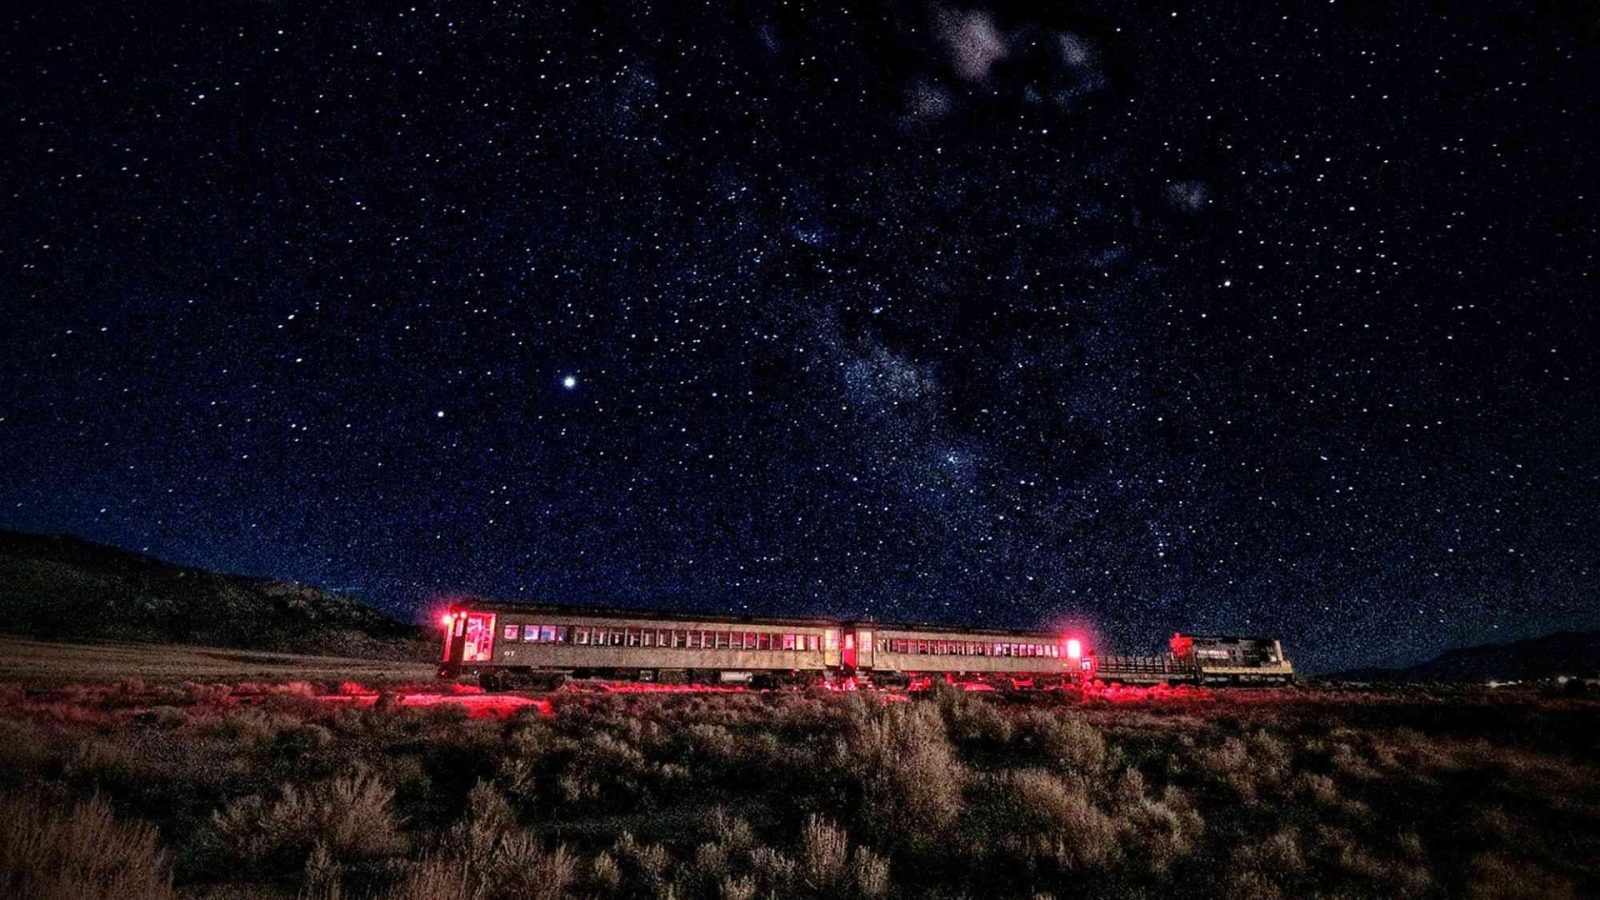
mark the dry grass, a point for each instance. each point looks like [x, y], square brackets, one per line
[52, 850]
[268, 790]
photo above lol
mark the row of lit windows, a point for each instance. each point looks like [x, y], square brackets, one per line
[692, 639]
[970, 648]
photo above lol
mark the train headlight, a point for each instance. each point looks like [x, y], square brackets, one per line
[1074, 648]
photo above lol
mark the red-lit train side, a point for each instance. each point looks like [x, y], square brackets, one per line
[503, 645]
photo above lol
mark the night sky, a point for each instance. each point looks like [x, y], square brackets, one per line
[1262, 317]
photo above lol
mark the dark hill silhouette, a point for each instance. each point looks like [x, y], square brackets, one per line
[67, 588]
[1564, 653]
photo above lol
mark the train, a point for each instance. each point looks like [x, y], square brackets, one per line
[1212, 659]
[503, 646]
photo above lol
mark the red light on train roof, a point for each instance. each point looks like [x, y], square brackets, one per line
[1074, 648]
[447, 619]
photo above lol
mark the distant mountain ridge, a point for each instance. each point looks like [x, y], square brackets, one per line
[1575, 654]
[68, 588]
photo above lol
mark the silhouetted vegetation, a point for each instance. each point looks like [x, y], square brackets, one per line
[132, 790]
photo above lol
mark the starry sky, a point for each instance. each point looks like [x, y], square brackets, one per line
[1247, 317]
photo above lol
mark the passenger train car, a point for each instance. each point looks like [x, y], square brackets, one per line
[504, 645]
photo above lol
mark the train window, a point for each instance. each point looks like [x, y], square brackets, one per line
[883, 645]
[511, 632]
[580, 635]
[764, 641]
[632, 635]
[648, 639]
[750, 640]
[812, 642]
[664, 638]
[530, 633]
[788, 642]
[680, 638]
[616, 637]
[547, 633]
[719, 640]
[561, 634]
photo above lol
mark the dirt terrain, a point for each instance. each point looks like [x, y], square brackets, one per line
[35, 662]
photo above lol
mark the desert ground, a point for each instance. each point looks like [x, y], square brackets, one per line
[42, 663]
[137, 771]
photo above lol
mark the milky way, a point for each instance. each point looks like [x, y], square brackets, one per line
[1268, 319]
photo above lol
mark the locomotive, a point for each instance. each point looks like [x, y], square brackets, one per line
[1214, 659]
[504, 645]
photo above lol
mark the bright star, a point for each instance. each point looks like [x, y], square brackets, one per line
[569, 382]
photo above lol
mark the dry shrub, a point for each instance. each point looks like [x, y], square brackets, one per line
[604, 769]
[1349, 762]
[23, 748]
[1065, 741]
[737, 888]
[970, 720]
[1321, 789]
[711, 861]
[521, 868]
[774, 869]
[1159, 832]
[910, 779]
[351, 815]
[604, 872]
[435, 878]
[828, 865]
[731, 832]
[645, 865]
[1229, 764]
[476, 837]
[824, 853]
[50, 853]
[1250, 884]
[871, 873]
[514, 866]
[1398, 878]
[1037, 818]
[1494, 877]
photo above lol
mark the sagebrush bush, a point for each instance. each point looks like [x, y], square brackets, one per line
[351, 815]
[1064, 741]
[910, 779]
[1043, 822]
[55, 851]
